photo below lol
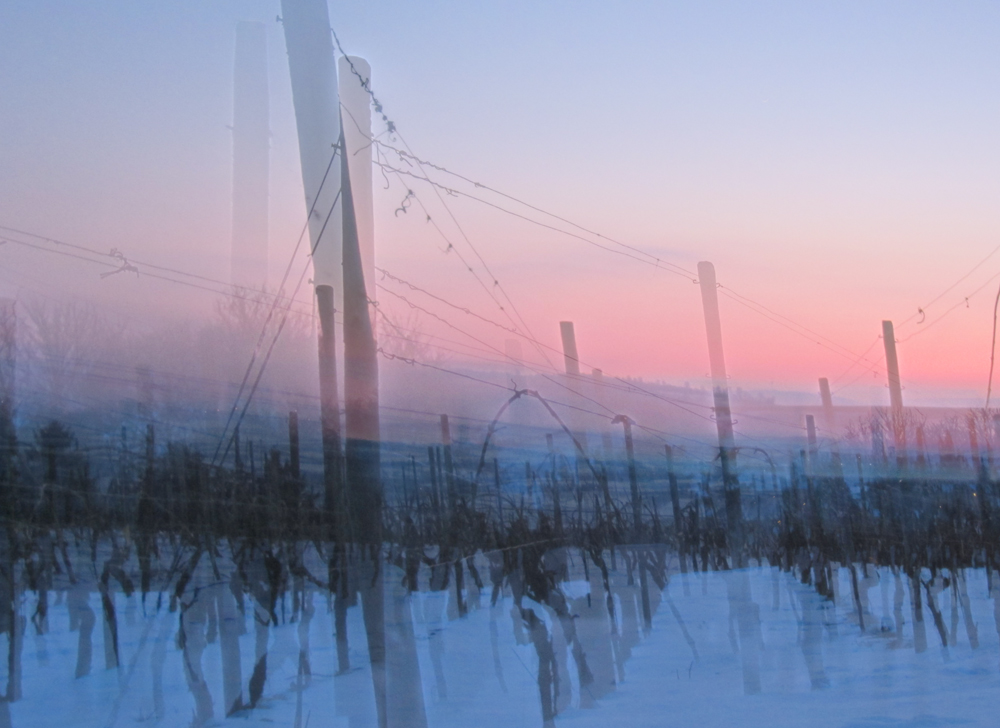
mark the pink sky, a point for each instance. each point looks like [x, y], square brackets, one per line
[838, 165]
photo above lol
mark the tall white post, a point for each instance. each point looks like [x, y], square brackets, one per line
[313, 68]
[251, 157]
[356, 118]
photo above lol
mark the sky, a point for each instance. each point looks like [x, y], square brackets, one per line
[837, 162]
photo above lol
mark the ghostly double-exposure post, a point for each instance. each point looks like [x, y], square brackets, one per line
[723, 415]
[333, 115]
[742, 608]
[361, 445]
[391, 640]
[317, 116]
[251, 152]
[356, 123]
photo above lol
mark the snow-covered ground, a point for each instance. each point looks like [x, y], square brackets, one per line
[692, 668]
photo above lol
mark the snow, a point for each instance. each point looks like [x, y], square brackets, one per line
[857, 680]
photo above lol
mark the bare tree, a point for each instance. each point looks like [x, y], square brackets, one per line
[404, 336]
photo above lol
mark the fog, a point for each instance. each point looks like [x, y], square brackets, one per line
[382, 364]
